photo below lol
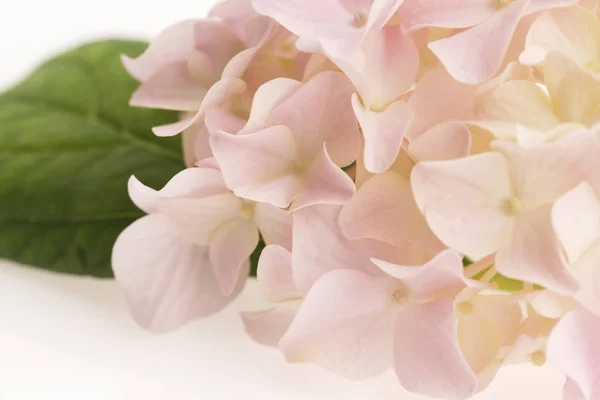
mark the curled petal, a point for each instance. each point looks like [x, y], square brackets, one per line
[324, 183]
[258, 166]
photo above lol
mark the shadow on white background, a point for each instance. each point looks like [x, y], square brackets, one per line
[71, 338]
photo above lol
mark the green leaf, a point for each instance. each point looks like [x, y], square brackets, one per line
[68, 143]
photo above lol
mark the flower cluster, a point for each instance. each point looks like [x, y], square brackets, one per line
[425, 176]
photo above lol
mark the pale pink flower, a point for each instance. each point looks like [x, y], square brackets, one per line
[359, 325]
[573, 32]
[383, 69]
[339, 26]
[477, 52]
[299, 133]
[384, 209]
[576, 221]
[487, 322]
[196, 226]
[573, 347]
[501, 202]
[319, 246]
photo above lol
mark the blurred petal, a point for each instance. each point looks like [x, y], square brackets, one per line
[230, 248]
[427, 357]
[345, 325]
[573, 348]
[268, 327]
[275, 276]
[576, 220]
[168, 281]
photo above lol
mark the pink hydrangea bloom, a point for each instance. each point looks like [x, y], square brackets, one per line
[375, 146]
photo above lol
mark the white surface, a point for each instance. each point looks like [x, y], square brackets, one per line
[71, 338]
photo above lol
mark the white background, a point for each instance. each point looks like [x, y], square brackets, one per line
[70, 338]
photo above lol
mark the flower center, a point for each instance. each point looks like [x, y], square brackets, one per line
[247, 211]
[400, 296]
[593, 65]
[538, 358]
[502, 3]
[379, 105]
[360, 18]
[465, 308]
[298, 168]
[513, 206]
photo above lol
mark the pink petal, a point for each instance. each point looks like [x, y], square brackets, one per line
[320, 246]
[198, 219]
[218, 119]
[445, 13]
[326, 19]
[168, 281]
[427, 357]
[439, 98]
[540, 5]
[275, 276]
[268, 327]
[257, 166]
[571, 391]
[383, 133]
[476, 55]
[381, 12]
[322, 111]
[191, 182]
[234, 13]
[325, 183]
[464, 202]
[441, 277]
[172, 45]
[573, 348]
[275, 225]
[576, 221]
[385, 66]
[384, 209]
[171, 88]
[230, 249]
[443, 142]
[345, 325]
[268, 97]
[544, 173]
[534, 254]
[144, 197]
